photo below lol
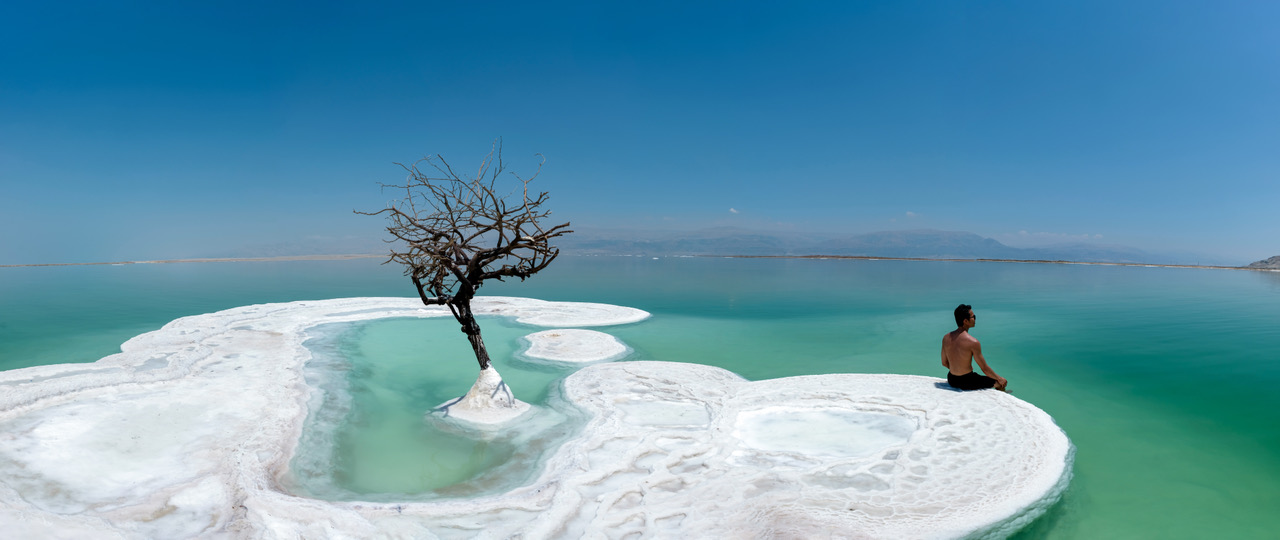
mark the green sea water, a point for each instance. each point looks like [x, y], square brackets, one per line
[1165, 379]
[366, 438]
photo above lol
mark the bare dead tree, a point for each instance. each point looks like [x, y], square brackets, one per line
[453, 233]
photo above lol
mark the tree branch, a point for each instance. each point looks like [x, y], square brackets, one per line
[452, 233]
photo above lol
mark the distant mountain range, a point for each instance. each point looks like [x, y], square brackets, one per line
[1270, 264]
[914, 243]
[923, 243]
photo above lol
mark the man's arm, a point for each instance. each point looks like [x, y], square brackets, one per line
[1001, 382]
[945, 363]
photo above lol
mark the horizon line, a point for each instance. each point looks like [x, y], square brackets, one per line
[334, 257]
[351, 256]
[984, 259]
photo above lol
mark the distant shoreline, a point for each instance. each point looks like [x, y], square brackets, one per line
[845, 257]
[1027, 261]
[228, 259]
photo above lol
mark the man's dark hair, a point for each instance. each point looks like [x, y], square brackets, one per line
[962, 314]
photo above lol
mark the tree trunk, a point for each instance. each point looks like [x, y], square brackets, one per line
[472, 330]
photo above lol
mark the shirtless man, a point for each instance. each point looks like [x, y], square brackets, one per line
[958, 351]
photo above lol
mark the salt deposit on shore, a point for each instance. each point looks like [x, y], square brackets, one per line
[188, 431]
[574, 346]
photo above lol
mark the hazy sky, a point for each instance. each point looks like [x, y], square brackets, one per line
[134, 130]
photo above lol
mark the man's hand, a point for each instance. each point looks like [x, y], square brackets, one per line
[1001, 383]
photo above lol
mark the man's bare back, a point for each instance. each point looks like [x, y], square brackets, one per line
[959, 350]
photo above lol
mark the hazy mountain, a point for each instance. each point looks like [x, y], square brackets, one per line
[918, 243]
[925, 243]
[922, 243]
[1096, 253]
[1272, 263]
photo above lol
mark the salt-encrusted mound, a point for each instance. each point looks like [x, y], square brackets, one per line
[189, 432]
[573, 346]
[684, 450]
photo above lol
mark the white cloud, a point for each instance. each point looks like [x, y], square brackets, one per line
[733, 211]
[911, 214]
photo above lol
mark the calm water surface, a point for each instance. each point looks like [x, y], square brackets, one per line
[1163, 378]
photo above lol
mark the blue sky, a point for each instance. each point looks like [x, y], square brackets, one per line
[137, 130]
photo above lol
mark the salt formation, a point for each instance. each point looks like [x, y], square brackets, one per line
[488, 403]
[684, 450]
[573, 346]
[189, 431]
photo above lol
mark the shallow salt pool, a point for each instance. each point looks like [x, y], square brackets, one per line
[823, 432]
[366, 438]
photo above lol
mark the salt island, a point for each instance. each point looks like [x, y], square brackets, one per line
[190, 430]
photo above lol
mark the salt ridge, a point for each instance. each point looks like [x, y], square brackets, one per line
[188, 431]
[574, 346]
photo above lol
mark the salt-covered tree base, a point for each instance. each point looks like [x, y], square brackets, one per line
[489, 403]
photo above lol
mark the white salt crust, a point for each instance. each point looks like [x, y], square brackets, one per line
[574, 346]
[188, 431]
[489, 404]
[685, 450]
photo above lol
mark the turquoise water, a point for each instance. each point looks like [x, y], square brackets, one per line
[1164, 378]
[368, 441]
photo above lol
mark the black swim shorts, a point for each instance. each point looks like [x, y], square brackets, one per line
[970, 381]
